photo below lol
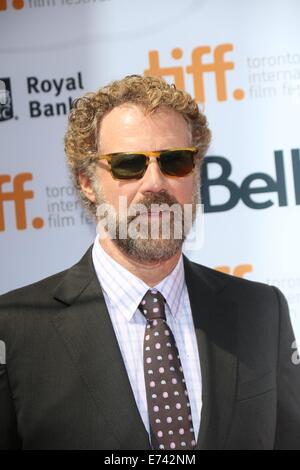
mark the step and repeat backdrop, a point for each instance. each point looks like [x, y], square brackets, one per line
[240, 60]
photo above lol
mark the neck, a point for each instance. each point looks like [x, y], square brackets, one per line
[151, 272]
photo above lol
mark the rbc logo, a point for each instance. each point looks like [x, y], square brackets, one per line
[6, 106]
[218, 66]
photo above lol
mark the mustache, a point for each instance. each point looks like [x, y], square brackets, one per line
[154, 198]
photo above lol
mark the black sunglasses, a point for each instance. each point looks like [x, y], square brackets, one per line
[133, 165]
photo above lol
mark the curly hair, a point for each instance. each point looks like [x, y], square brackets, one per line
[81, 139]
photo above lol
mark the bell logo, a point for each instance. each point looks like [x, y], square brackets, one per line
[17, 4]
[18, 196]
[198, 68]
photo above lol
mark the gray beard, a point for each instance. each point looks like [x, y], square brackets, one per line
[151, 249]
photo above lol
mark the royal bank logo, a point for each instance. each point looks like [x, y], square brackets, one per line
[6, 104]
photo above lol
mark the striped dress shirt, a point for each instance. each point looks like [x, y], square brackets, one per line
[123, 292]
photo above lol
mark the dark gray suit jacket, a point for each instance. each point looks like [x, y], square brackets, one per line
[65, 386]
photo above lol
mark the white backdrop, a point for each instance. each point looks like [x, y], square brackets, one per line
[241, 59]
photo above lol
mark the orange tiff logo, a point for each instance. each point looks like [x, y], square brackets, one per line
[238, 271]
[18, 196]
[17, 4]
[218, 66]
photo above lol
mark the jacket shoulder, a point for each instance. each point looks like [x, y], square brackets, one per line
[41, 292]
[38, 290]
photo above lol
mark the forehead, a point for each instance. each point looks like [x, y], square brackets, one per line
[129, 128]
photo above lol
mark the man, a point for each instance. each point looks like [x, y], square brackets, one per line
[136, 347]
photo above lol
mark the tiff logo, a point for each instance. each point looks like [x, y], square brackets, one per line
[17, 4]
[198, 68]
[20, 4]
[18, 196]
[238, 271]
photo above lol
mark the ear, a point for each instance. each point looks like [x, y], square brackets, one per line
[87, 187]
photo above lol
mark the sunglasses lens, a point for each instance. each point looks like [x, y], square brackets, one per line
[177, 162]
[171, 162]
[128, 166]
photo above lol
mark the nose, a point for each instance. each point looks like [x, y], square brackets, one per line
[153, 179]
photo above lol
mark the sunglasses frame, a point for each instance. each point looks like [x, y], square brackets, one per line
[156, 154]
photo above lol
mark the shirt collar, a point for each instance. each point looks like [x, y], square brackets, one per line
[124, 288]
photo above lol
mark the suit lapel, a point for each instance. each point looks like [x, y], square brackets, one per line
[215, 320]
[84, 325]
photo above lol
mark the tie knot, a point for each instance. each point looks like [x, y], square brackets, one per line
[153, 305]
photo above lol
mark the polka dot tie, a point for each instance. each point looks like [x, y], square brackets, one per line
[167, 397]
